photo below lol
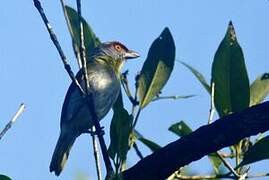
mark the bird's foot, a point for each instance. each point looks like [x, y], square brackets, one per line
[88, 131]
[101, 131]
[94, 132]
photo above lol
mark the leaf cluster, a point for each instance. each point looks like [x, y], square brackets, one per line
[229, 90]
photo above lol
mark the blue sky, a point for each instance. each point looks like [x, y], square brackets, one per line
[31, 71]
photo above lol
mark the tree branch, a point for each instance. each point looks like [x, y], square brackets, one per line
[56, 43]
[210, 138]
[13, 120]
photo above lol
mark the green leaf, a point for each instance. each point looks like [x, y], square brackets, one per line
[180, 129]
[157, 67]
[90, 39]
[150, 144]
[215, 161]
[3, 177]
[259, 89]
[120, 129]
[259, 151]
[230, 76]
[199, 76]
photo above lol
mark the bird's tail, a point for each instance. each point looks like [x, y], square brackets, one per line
[61, 152]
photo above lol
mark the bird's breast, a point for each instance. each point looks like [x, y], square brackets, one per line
[101, 81]
[104, 87]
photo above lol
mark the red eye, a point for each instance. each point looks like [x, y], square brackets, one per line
[118, 47]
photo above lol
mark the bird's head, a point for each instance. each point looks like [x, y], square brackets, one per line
[114, 53]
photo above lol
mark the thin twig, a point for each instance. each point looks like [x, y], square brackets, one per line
[77, 53]
[237, 155]
[198, 177]
[96, 155]
[185, 177]
[13, 120]
[258, 175]
[82, 48]
[57, 45]
[136, 93]
[90, 99]
[172, 97]
[75, 47]
[226, 164]
[212, 106]
[138, 152]
[136, 117]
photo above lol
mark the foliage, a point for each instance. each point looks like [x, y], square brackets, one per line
[120, 130]
[231, 93]
[90, 41]
[229, 90]
[259, 151]
[259, 89]
[157, 68]
[3, 177]
[230, 76]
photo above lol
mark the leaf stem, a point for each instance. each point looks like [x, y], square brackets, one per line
[136, 117]
[212, 106]
[135, 103]
[228, 165]
[237, 155]
[125, 85]
[171, 97]
[138, 152]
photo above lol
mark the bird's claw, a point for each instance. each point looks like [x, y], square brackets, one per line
[88, 131]
[101, 132]
[94, 132]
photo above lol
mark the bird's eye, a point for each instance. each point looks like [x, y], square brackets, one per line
[118, 47]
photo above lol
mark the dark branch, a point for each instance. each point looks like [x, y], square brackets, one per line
[57, 45]
[224, 132]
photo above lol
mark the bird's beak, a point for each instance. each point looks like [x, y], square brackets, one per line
[131, 54]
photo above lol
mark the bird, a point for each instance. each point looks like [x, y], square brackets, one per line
[103, 70]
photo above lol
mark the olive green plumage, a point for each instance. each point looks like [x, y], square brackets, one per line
[103, 69]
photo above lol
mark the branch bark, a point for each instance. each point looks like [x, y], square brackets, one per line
[207, 139]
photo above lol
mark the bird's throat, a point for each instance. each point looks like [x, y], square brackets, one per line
[115, 64]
